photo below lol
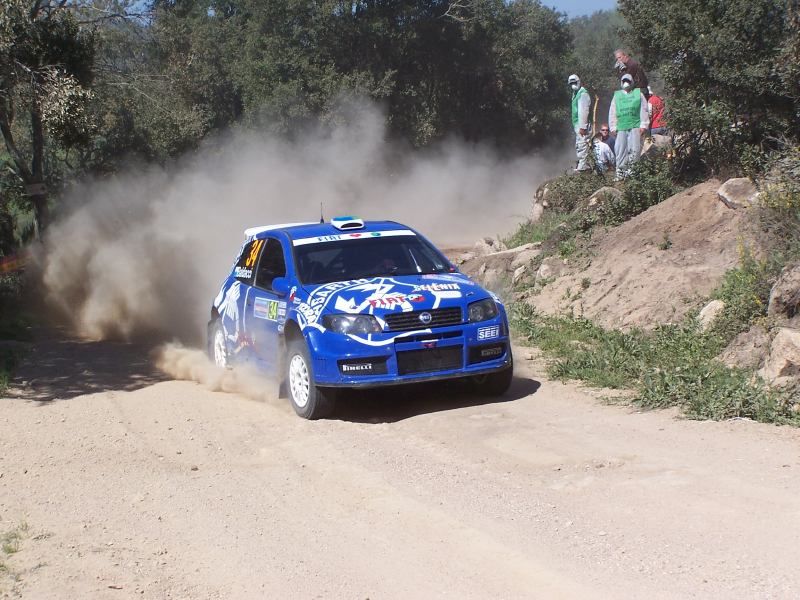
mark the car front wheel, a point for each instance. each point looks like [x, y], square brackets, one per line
[494, 384]
[308, 400]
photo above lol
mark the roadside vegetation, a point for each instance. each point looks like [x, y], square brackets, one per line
[9, 544]
[677, 365]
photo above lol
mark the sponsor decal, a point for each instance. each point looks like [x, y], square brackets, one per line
[437, 287]
[488, 333]
[264, 308]
[356, 367]
[494, 351]
[392, 301]
[242, 273]
[349, 236]
[281, 310]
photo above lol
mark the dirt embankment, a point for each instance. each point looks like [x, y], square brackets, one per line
[657, 266]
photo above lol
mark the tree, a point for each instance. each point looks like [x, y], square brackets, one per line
[724, 62]
[45, 68]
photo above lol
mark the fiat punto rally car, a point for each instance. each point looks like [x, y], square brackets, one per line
[346, 304]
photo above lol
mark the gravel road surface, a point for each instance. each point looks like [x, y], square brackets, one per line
[123, 483]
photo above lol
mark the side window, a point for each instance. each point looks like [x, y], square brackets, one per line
[272, 264]
[247, 262]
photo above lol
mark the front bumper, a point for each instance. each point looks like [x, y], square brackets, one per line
[410, 357]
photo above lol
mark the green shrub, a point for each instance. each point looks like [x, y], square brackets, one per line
[671, 366]
[564, 192]
[649, 183]
[538, 232]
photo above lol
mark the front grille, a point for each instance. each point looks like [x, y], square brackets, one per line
[430, 359]
[440, 317]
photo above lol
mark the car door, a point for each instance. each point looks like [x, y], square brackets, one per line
[265, 311]
[233, 307]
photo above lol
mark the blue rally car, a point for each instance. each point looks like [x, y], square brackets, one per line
[345, 304]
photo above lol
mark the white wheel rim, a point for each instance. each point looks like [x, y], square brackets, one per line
[299, 380]
[220, 352]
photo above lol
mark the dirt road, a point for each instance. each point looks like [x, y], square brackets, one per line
[123, 484]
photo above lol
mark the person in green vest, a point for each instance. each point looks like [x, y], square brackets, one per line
[580, 122]
[628, 117]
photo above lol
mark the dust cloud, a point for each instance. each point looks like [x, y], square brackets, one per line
[141, 254]
[188, 364]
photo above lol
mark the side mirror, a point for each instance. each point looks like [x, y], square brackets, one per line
[280, 285]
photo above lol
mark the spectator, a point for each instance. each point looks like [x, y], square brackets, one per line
[580, 121]
[655, 108]
[625, 64]
[603, 154]
[628, 119]
[605, 136]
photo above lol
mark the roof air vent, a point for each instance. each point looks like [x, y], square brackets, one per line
[345, 223]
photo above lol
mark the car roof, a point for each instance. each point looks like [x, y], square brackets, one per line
[308, 230]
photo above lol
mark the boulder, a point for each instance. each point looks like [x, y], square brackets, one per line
[519, 273]
[710, 312]
[783, 362]
[748, 349]
[656, 145]
[739, 192]
[526, 255]
[496, 269]
[784, 299]
[486, 246]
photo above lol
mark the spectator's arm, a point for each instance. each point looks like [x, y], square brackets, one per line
[584, 103]
[612, 116]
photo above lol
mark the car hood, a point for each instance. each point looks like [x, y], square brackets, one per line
[381, 296]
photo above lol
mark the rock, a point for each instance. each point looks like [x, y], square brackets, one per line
[748, 349]
[551, 268]
[518, 273]
[739, 192]
[600, 198]
[710, 312]
[526, 255]
[536, 212]
[784, 356]
[784, 299]
[656, 145]
[496, 270]
[482, 247]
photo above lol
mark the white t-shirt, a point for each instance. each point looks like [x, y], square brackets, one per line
[605, 157]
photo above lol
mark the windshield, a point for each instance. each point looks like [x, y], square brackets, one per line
[368, 257]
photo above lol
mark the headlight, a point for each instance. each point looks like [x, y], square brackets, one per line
[352, 324]
[482, 311]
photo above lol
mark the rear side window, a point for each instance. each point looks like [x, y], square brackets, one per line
[246, 265]
[271, 265]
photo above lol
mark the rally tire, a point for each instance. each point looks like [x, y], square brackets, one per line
[308, 400]
[218, 345]
[494, 384]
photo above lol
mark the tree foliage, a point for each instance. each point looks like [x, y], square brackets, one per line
[45, 66]
[731, 66]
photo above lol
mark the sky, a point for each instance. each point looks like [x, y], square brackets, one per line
[577, 8]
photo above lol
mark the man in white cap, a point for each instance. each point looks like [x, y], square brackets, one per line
[580, 121]
[629, 119]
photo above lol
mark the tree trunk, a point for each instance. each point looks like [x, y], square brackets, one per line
[36, 187]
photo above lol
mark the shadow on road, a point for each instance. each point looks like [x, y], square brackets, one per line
[60, 367]
[392, 404]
